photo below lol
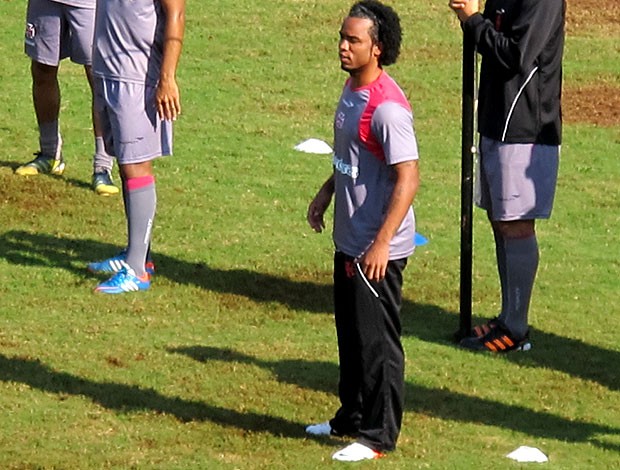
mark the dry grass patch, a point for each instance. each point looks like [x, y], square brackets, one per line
[592, 15]
[595, 103]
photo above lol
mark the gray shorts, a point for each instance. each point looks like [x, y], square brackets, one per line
[517, 181]
[55, 31]
[132, 130]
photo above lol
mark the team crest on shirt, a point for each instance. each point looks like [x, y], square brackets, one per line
[30, 31]
[340, 120]
[345, 168]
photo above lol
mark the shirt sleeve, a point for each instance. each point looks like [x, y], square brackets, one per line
[392, 126]
[516, 49]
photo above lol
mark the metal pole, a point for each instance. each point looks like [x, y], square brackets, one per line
[467, 183]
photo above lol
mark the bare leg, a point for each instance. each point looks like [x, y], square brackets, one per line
[46, 100]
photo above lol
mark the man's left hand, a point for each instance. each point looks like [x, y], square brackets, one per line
[167, 100]
[374, 261]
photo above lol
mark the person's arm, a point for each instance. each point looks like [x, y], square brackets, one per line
[168, 99]
[464, 9]
[522, 43]
[374, 261]
[319, 205]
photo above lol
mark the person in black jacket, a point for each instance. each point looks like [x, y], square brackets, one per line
[519, 114]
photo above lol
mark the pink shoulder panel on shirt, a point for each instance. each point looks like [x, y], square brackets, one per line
[381, 90]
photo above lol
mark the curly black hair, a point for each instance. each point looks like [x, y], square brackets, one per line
[386, 28]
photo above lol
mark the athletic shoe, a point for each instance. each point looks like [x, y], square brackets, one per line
[320, 429]
[110, 265]
[149, 267]
[499, 339]
[356, 452]
[42, 164]
[116, 264]
[325, 429]
[480, 330]
[103, 184]
[125, 281]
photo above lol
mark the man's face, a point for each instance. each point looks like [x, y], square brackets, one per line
[356, 48]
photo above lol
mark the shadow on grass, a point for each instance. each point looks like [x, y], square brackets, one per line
[36, 249]
[439, 403]
[126, 398]
[12, 165]
[550, 351]
[426, 322]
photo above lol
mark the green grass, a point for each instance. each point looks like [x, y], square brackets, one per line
[232, 352]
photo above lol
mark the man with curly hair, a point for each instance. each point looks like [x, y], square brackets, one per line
[374, 180]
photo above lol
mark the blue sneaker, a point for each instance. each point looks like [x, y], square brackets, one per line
[110, 265]
[125, 281]
[116, 264]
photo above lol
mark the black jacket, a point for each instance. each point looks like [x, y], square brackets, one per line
[521, 43]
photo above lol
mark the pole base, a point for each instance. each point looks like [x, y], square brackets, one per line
[459, 335]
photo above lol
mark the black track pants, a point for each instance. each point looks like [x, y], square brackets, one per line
[372, 361]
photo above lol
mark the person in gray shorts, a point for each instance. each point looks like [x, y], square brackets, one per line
[56, 29]
[136, 52]
[519, 116]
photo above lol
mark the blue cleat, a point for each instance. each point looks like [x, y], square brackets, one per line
[110, 265]
[124, 281]
[116, 264]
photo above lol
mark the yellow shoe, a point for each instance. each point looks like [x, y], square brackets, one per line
[42, 164]
[103, 184]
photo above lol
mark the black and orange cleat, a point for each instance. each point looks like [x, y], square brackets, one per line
[498, 340]
[479, 331]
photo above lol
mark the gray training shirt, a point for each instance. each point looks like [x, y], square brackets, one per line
[373, 129]
[129, 41]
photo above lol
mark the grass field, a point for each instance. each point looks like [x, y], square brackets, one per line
[232, 352]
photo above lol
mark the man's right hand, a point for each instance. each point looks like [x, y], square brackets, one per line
[317, 209]
[319, 205]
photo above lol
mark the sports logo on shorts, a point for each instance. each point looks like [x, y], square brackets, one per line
[30, 32]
